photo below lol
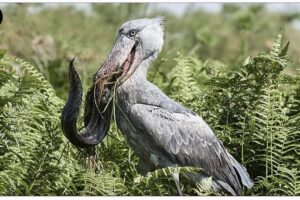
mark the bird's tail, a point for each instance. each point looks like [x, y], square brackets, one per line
[242, 172]
[216, 185]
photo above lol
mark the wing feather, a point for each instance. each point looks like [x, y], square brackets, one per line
[188, 140]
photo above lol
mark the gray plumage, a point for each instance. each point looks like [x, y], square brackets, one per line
[164, 133]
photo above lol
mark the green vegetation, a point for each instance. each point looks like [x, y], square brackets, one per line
[252, 102]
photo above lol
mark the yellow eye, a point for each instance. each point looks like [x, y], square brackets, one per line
[132, 33]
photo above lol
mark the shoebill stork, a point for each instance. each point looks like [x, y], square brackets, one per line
[161, 132]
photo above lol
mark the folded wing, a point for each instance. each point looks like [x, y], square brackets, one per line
[188, 141]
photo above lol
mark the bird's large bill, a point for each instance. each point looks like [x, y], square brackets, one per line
[121, 62]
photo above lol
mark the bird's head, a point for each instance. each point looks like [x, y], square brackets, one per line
[137, 41]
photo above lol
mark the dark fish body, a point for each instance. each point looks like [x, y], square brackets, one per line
[97, 114]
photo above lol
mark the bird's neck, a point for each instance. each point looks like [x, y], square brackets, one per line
[132, 89]
[140, 73]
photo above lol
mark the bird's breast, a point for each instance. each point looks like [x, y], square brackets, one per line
[135, 138]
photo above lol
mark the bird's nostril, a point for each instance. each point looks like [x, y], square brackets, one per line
[121, 30]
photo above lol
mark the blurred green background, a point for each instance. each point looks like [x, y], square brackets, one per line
[251, 103]
[50, 34]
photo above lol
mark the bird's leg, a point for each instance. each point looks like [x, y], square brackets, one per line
[175, 175]
[91, 158]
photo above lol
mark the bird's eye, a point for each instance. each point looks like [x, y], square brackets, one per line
[132, 33]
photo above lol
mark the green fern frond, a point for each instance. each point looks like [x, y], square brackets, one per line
[101, 183]
[276, 46]
[185, 80]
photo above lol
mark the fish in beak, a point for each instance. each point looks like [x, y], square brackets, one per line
[120, 64]
[96, 123]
